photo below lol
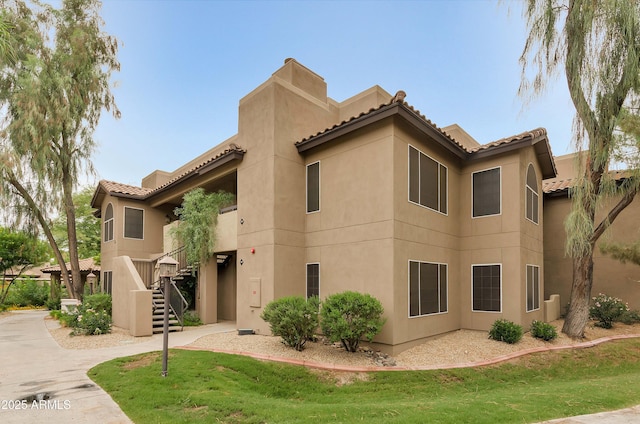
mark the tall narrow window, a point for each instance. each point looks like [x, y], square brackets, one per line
[313, 280]
[313, 187]
[531, 201]
[486, 192]
[427, 181]
[107, 281]
[108, 223]
[533, 288]
[487, 287]
[133, 223]
[427, 288]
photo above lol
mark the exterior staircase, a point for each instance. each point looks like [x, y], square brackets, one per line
[158, 314]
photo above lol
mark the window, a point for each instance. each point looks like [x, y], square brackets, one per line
[486, 192]
[313, 280]
[533, 288]
[313, 187]
[108, 223]
[531, 201]
[487, 288]
[133, 223]
[427, 181]
[427, 288]
[107, 281]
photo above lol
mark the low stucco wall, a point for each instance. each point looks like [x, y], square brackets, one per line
[130, 308]
[552, 308]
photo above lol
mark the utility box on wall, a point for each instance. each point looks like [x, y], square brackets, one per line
[254, 292]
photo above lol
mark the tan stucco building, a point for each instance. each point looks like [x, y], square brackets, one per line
[365, 194]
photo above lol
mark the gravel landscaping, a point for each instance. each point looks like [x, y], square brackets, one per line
[458, 347]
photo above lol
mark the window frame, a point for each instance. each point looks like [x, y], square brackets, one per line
[124, 223]
[307, 279]
[473, 288]
[307, 187]
[534, 291]
[441, 166]
[439, 282]
[499, 213]
[528, 189]
[108, 225]
[107, 282]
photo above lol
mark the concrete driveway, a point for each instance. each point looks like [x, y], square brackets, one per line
[32, 364]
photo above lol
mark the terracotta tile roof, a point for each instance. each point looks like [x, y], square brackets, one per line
[231, 148]
[395, 100]
[114, 187]
[142, 193]
[86, 265]
[533, 134]
[557, 186]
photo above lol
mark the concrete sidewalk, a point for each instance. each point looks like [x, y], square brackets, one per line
[33, 363]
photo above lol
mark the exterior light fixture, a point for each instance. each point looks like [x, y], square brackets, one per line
[168, 268]
[91, 280]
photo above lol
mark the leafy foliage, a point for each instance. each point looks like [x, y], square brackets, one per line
[18, 251]
[543, 330]
[100, 302]
[27, 293]
[606, 309]
[198, 218]
[623, 253]
[293, 318]
[349, 316]
[54, 96]
[630, 317]
[506, 331]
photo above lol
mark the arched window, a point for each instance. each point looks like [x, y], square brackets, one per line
[532, 195]
[108, 223]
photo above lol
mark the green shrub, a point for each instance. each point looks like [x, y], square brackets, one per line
[506, 331]
[349, 316]
[543, 330]
[630, 317]
[606, 309]
[52, 304]
[98, 302]
[28, 293]
[293, 318]
[191, 319]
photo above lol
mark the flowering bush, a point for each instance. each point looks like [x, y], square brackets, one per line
[92, 322]
[606, 309]
[86, 320]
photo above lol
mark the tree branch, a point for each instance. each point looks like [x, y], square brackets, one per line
[612, 215]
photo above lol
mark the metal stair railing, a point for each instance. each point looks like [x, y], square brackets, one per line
[177, 303]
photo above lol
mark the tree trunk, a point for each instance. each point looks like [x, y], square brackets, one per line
[64, 273]
[578, 313]
[74, 260]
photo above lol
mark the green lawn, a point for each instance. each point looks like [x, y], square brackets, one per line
[211, 387]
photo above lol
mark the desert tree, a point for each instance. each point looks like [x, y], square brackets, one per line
[597, 45]
[54, 96]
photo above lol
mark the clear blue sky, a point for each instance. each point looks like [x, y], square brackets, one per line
[186, 64]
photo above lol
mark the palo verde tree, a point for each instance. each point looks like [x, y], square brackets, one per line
[196, 229]
[55, 95]
[597, 45]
